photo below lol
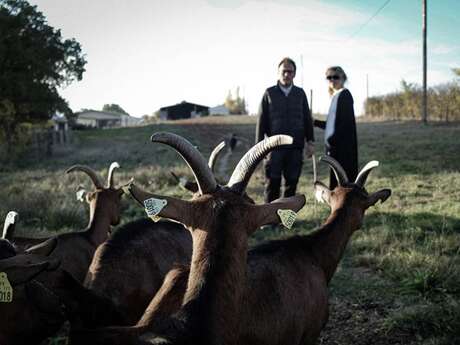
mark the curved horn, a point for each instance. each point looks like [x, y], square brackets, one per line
[8, 227]
[203, 175]
[214, 154]
[364, 173]
[340, 174]
[248, 163]
[113, 166]
[90, 172]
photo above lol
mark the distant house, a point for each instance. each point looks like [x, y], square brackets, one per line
[103, 119]
[183, 110]
[219, 110]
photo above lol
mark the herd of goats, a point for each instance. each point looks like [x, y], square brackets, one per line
[189, 278]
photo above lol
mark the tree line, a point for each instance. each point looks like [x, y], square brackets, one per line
[406, 104]
[35, 61]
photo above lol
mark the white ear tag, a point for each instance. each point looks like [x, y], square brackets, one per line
[79, 194]
[319, 195]
[154, 206]
[287, 217]
[6, 291]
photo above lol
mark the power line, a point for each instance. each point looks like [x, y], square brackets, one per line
[367, 22]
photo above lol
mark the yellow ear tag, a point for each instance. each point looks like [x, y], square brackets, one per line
[6, 291]
[154, 206]
[125, 190]
[287, 217]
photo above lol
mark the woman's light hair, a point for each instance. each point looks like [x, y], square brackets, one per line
[339, 70]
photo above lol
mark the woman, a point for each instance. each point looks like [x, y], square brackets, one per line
[340, 126]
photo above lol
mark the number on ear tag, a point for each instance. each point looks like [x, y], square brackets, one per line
[6, 291]
[287, 217]
[154, 206]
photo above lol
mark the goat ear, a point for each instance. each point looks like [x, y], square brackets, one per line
[322, 192]
[268, 213]
[45, 248]
[22, 268]
[162, 206]
[381, 195]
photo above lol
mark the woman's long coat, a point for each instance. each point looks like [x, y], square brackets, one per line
[343, 144]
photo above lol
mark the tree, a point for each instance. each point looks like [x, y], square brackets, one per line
[235, 105]
[114, 108]
[34, 62]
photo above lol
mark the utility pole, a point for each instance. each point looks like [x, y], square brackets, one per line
[301, 67]
[367, 87]
[424, 100]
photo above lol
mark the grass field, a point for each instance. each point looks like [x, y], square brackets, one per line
[399, 282]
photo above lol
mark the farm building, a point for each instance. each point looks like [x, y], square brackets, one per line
[219, 110]
[103, 119]
[183, 110]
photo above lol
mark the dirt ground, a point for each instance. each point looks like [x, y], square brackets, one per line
[357, 315]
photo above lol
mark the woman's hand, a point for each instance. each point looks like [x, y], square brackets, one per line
[310, 149]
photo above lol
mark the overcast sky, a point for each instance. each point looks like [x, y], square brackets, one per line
[145, 54]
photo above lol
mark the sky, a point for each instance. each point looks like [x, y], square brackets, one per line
[146, 54]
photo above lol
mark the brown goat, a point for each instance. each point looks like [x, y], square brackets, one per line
[285, 301]
[130, 266]
[32, 310]
[104, 211]
[142, 252]
[76, 249]
[220, 219]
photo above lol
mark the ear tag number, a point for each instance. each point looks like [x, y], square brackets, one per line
[287, 217]
[154, 206]
[6, 291]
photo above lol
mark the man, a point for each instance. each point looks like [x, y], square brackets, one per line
[284, 110]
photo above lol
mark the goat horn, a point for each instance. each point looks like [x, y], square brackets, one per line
[8, 226]
[90, 172]
[248, 163]
[194, 159]
[340, 174]
[214, 154]
[364, 173]
[113, 166]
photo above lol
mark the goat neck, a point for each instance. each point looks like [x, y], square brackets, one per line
[331, 239]
[103, 213]
[217, 273]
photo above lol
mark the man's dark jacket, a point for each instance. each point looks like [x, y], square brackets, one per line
[281, 114]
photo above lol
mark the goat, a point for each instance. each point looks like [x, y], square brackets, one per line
[104, 205]
[285, 300]
[76, 249]
[220, 219]
[142, 252]
[32, 309]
